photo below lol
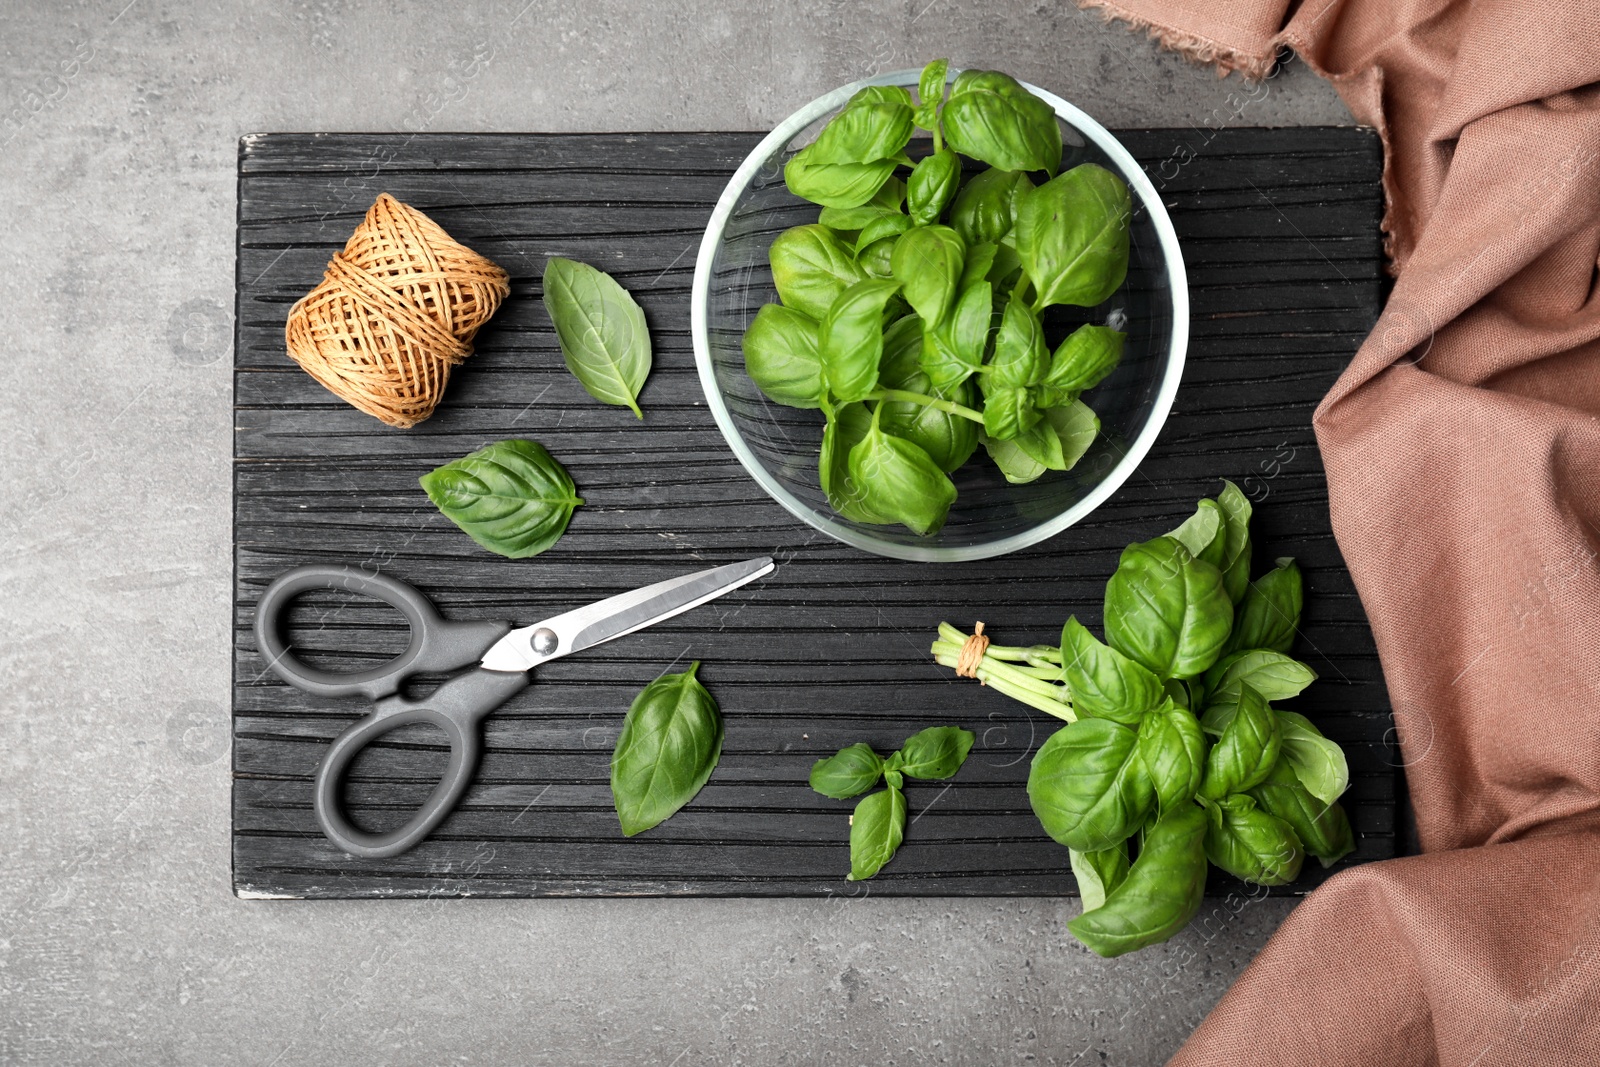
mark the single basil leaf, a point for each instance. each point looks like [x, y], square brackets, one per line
[876, 830]
[1098, 873]
[884, 203]
[877, 259]
[937, 752]
[670, 742]
[931, 186]
[850, 338]
[780, 355]
[874, 125]
[927, 261]
[1173, 751]
[1236, 562]
[512, 497]
[1077, 426]
[1018, 348]
[846, 428]
[1083, 360]
[1103, 683]
[1008, 412]
[1087, 787]
[810, 268]
[1269, 614]
[980, 258]
[1251, 844]
[601, 330]
[894, 778]
[953, 350]
[1204, 533]
[1161, 893]
[847, 773]
[1323, 829]
[1042, 445]
[1166, 609]
[1272, 674]
[889, 226]
[948, 439]
[1018, 467]
[899, 480]
[996, 121]
[1318, 763]
[985, 207]
[1249, 746]
[1072, 234]
[930, 86]
[835, 184]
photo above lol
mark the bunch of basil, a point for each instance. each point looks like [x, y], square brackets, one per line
[1171, 743]
[919, 339]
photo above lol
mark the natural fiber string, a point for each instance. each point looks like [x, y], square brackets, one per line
[395, 310]
[971, 654]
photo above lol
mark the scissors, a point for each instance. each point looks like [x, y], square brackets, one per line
[503, 656]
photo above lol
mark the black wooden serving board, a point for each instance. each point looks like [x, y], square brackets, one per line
[1279, 229]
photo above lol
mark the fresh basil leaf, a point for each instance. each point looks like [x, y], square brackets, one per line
[1249, 746]
[996, 121]
[1272, 674]
[1166, 609]
[1236, 563]
[875, 124]
[512, 497]
[931, 186]
[850, 338]
[835, 184]
[670, 742]
[810, 268]
[780, 355]
[601, 330]
[953, 350]
[937, 752]
[1072, 234]
[980, 258]
[1018, 467]
[1161, 893]
[1318, 763]
[887, 227]
[1172, 749]
[985, 208]
[1204, 533]
[877, 259]
[1042, 446]
[927, 261]
[948, 439]
[884, 203]
[1251, 844]
[1087, 786]
[1008, 412]
[899, 480]
[1098, 873]
[1269, 614]
[846, 428]
[1083, 360]
[876, 830]
[1323, 828]
[930, 86]
[1018, 348]
[1103, 683]
[847, 773]
[1077, 426]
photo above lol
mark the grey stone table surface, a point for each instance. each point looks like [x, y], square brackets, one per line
[120, 938]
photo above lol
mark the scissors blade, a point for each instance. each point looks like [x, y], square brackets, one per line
[526, 648]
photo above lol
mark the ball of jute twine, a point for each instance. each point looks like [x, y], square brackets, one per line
[395, 310]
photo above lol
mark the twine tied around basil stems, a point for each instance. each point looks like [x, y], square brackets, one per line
[972, 650]
[394, 312]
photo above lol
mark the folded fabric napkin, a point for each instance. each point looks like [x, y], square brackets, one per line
[1463, 454]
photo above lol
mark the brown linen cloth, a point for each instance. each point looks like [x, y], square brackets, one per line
[1463, 455]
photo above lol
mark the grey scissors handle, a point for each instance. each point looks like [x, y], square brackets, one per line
[457, 707]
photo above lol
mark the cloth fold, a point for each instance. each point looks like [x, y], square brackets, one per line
[1463, 455]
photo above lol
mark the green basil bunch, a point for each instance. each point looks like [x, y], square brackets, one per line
[879, 823]
[910, 309]
[1173, 755]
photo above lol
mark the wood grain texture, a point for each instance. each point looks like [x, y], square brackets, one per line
[1279, 230]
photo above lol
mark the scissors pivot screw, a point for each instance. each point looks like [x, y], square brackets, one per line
[545, 640]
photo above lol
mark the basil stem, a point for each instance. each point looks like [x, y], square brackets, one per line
[947, 406]
[1018, 683]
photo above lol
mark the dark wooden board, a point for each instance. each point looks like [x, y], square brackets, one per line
[1279, 230]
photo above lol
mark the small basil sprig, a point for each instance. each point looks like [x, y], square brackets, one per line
[1171, 740]
[670, 742]
[512, 497]
[601, 330]
[878, 825]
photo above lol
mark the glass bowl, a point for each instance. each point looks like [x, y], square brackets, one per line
[779, 445]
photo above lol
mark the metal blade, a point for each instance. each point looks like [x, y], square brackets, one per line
[526, 648]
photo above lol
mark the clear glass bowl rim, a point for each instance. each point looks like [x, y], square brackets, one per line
[1177, 349]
